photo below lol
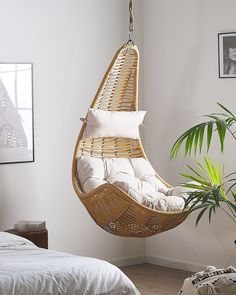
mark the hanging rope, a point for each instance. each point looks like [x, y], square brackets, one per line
[131, 20]
[131, 15]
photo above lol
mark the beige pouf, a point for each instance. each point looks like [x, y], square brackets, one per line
[212, 281]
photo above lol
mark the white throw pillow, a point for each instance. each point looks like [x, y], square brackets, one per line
[113, 124]
[11, 240]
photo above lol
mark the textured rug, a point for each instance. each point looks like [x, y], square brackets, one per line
[156, 280]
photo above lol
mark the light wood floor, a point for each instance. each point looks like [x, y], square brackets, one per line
[156, 280]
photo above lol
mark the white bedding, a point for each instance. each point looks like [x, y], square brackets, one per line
[28, 270]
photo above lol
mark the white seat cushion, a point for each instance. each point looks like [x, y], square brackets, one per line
[142, 167]
[114, 166]
[89, 167]
[134, 176]
[147, 184]
[92, 183]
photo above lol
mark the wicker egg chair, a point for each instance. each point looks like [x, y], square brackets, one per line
[110, 207]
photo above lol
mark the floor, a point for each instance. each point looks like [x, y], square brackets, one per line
[156, 280]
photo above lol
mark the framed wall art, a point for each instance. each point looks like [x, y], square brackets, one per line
[16, 113]
[227, 55]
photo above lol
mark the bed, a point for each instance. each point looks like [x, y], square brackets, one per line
[26, 269]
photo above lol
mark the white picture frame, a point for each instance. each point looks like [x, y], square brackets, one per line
[16, 113]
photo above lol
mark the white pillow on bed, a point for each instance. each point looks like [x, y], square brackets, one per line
[10, 240]
[113, 124]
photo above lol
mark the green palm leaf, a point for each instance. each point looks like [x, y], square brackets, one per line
[194, 137]
[226, 110]
[209, 134]
[200, 215]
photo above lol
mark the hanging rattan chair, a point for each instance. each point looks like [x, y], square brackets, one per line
[110, 207]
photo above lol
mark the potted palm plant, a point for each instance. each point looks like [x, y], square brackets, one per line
[210, 189]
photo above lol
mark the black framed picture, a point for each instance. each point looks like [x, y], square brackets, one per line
[227, 55]
[16, 113]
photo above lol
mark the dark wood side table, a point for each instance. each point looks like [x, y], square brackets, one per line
[39, 238]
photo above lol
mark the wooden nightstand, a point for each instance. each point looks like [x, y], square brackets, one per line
[39, 238]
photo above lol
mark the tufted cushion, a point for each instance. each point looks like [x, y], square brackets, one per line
[89, 167]
[93, 172]
[134, 176]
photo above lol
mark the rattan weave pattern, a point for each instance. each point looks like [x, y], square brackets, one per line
[110, 207]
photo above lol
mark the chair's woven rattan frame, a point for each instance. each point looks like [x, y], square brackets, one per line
[110, 207]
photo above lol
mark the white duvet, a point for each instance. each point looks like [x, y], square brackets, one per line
[28, 270]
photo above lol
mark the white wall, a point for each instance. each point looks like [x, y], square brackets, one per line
[70, 42]
[180, 84]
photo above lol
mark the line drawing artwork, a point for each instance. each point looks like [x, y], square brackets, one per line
[16, 117]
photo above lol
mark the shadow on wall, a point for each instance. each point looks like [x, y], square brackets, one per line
[4, 201]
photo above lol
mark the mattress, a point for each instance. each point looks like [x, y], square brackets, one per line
[28, 270]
